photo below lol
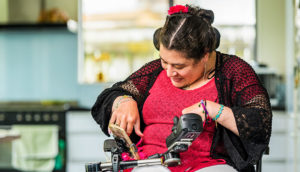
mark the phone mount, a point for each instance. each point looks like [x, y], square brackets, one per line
[184, 131]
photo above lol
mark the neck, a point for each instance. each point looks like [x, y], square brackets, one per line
[194, 85]
[210, 66]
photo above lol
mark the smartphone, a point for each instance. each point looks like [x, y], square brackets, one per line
[120, 133]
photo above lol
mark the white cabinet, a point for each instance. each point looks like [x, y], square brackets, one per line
[276, 161]
[85, 141]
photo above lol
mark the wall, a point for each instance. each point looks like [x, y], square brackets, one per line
[68, 6]
[3, 11]
[271, 33]
[41, 64]
[23, 11]
[29, 10]
[38, 64]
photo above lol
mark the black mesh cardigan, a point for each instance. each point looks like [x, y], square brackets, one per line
[238, 87]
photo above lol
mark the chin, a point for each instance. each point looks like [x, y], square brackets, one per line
[178, 84]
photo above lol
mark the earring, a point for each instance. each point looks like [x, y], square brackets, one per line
[204, 71]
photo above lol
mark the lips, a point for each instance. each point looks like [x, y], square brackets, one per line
[176, 79]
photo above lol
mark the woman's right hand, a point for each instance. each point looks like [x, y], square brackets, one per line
[126, 115]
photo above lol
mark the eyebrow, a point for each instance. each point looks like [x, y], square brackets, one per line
[175, 64]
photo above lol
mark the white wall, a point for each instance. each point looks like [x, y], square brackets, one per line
[271, 33]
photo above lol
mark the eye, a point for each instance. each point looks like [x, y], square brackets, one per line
[179, 67]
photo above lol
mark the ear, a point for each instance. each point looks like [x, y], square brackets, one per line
[156, 41]
[206, 56]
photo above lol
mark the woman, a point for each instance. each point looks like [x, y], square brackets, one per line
[192, 77]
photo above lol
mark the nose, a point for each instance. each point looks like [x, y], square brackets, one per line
[170, 71]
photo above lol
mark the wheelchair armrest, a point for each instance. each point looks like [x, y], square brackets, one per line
[259, 163]
[267, 151]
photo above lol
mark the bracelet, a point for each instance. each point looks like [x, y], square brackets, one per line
[219, 113]
[203, 104]
[208, 119]
[120, 100]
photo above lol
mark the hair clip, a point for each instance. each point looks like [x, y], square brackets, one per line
[178, 9]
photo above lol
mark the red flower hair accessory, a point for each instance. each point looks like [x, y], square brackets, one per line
[178, 9]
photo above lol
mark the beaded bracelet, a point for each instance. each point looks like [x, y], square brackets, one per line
[219, 113]
[203, 104]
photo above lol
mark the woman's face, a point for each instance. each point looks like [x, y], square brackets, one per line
[181, 70]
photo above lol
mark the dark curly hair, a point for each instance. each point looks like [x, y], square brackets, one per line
[191, 33]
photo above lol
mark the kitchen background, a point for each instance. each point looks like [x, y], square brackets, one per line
[56, 56]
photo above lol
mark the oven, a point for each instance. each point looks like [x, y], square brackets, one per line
[38, 118]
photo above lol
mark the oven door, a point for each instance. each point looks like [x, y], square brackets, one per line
[7, 136]
[41, 143]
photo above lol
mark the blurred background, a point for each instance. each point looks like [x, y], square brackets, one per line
[56, 56]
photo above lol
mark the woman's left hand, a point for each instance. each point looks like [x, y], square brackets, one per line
[226, 118]
[195, 109]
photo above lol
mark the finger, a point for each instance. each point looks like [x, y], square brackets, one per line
[129, 129]
[118, 121]
[112, 119]
[137, 128]
[123, 124]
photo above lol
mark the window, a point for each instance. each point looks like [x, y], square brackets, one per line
[236, 21]
[117, 39]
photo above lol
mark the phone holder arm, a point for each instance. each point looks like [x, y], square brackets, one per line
[184, 131]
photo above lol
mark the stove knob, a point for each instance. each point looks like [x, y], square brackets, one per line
[28, 117]
[46, 117]
[37, 117]
[2, 117]
[55, 117]
[19, 117]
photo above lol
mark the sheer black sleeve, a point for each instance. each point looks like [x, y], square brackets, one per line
[252, 111]
[136, 85]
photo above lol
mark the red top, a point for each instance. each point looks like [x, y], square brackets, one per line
[166, 101]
